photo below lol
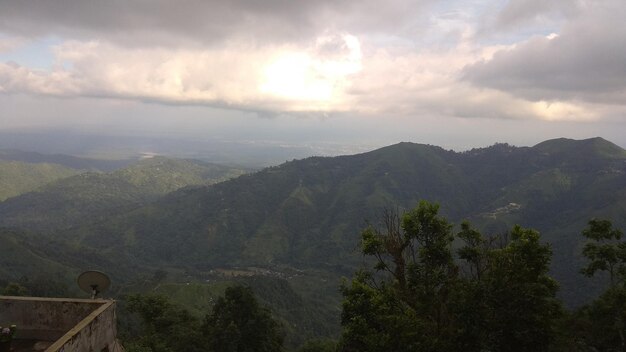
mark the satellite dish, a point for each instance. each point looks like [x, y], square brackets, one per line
[93, 282]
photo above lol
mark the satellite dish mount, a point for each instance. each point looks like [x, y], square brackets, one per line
[93, 282]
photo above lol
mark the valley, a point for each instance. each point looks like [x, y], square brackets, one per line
[188, 229]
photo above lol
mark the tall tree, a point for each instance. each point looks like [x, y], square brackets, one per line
[403, 305]
[165, 327]
[419, 299]
[605, 318]
[238, 323]
[520, 296]
[604, 250]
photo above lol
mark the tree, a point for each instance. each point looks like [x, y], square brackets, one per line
[606, 317]
[318, 345]
[165, 326]
[238, 323]
[606, 253]
[15, 289]
[419, 299]
[403, 306]
[520, 296]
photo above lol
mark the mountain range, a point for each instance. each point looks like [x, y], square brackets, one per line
[301, 220]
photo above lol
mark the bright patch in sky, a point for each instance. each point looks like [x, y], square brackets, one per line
[317, 81]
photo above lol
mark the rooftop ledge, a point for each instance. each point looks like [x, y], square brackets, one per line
[61, 324]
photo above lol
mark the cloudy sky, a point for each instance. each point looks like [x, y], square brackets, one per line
[456, 73]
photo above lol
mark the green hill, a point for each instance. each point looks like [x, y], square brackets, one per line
[308, 214]
[18, 177]
[68, 161]
[93, 197]
[301, 221]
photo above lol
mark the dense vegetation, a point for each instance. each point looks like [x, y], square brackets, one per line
[290, 232]
[18, 177]
[489, 294]
[236, 323]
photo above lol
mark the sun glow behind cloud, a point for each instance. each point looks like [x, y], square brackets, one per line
[434, 65]
[313, 80]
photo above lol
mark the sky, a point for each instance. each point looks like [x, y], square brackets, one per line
[348, 75]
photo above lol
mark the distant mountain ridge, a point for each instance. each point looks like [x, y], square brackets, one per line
[18, 177]
[94, 196]
[307, 214]
[68, 161]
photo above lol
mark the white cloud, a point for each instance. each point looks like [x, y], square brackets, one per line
[9, 43]
[327, 56]
[275, 77]
[584, 63]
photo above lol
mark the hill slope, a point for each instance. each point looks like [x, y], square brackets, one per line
[19, 177]
[308, 213]
[93, 197]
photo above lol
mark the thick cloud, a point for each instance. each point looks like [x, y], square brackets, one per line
[310, 77]
[361, 57]
[585, 62]
[165, 22]
[518, 13]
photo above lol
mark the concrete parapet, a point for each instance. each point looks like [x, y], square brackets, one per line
[61, 325]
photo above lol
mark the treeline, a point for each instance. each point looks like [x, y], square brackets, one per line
[431, 290]
[236, 323]
[490, 294]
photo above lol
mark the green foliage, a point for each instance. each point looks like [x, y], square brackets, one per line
[520, 297]
[164, 326]
[375, 318]
[419, 301]
[238, 324]
[606, 252]
[14, 289]
[18, 177]
[602, 324]
[319, 345]
[304, 214]
[409, 310]
[92, 196]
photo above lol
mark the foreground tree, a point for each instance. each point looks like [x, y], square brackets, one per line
[404, 305]
[236, 324]
[164, 326]
[419, 299]
[604, 251]
[602, 323]
[239, 324]
[520, 297]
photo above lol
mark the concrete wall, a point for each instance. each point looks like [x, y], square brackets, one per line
[97, 332]
[80, 325]
[44, 319]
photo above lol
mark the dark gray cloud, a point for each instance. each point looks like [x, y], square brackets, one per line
[522, 12]
[140, 22]
[586, 62]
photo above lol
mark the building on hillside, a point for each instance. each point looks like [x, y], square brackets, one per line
[61, 324]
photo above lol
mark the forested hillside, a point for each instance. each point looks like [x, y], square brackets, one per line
[307, 213]
[19, 177]
[299, 223]
[95, 196]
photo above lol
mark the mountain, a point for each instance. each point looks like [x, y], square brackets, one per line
[307, 214]
[94, 196]
[291, 231]
[18, 177]
[68, 161]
